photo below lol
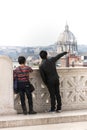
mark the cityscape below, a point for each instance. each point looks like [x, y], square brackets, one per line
[67, 41]
[32, 53]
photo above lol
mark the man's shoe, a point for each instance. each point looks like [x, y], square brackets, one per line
[32, 112]
[51, 111]
[58, 111]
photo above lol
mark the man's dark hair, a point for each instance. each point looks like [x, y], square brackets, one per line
[43, 54]
[21, 59]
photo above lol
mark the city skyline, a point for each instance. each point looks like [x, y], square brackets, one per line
[40, 22]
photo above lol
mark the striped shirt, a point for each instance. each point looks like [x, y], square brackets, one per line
[22, 73]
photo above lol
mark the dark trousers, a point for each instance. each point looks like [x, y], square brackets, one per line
[53, 88]
[22, 91]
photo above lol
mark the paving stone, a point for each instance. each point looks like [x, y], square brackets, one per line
[43, 119]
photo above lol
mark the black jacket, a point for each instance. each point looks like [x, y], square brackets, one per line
[48, 68]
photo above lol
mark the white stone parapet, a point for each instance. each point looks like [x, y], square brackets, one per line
[6, 86]
[73, 89]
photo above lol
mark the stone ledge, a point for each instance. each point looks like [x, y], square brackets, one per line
[42, 118]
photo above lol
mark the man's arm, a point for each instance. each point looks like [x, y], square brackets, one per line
[43, 76]
[59, 56]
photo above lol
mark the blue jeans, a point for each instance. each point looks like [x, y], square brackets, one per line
[22, 91]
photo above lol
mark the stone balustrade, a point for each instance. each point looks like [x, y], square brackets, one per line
[73, 89]
[6, 86]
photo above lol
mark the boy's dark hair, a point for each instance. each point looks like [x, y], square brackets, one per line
[21, 59]
[43, 54]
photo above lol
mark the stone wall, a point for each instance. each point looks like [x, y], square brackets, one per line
[73, 88]
[6, 86]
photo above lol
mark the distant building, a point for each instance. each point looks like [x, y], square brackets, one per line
[84, 59]
[67, 42]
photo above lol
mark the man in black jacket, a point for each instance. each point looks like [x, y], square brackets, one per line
[51, 79]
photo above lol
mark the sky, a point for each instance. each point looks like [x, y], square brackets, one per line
[40, 22]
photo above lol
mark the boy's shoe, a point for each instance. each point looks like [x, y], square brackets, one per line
[25, 112]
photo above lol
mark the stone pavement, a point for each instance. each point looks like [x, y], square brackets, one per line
[67, 120]
[61, 126]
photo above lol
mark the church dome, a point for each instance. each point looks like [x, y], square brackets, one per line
[67, 37]
[67, 42]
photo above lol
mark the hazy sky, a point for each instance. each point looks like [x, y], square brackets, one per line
[39, 22]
